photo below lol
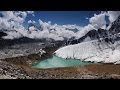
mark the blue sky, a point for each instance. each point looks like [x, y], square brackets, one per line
[63, 17]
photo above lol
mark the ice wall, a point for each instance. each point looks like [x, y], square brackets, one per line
[93, 51]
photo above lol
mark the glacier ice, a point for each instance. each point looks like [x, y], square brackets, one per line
[92, 51]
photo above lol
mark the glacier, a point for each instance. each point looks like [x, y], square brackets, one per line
[92, 51]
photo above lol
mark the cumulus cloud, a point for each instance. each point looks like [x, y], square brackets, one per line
[31, 21]
[12, 19]
[31, 12]
[113, 15]
[56, 32]
[44, 25]
[98, 21]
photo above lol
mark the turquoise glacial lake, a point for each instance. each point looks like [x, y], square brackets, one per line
[57, 62]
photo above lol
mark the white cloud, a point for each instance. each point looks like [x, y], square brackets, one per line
[113, 15]
[31, 21]
[13, 21]
[30, 12]
[44, 25]
[56, 32]
[32, 28]
[12, 18]
[98, 21]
